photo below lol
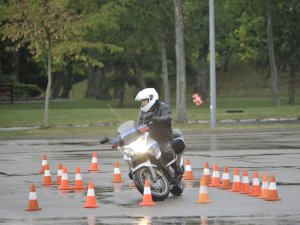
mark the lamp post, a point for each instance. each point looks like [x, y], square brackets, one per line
[212, 66]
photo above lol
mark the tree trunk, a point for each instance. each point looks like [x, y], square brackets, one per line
[180, 64]
[292, 85]
[121, 96]
[227, 57]
[274, 85]
[15, 64]
[164, 70]
[67, 82]
[49, 60]
[202, 72]
[139, 75]
[102, 89]
[91, 91]
[57, 84]
[45, 124]
[96, 86]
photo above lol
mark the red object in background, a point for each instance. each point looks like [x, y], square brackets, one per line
[197, 99]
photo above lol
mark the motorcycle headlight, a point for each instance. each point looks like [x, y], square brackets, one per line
[138, 146]
[129, 152]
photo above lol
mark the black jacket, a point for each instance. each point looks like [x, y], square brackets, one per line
[160, 128]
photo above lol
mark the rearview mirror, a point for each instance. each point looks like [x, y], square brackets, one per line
[104, 140]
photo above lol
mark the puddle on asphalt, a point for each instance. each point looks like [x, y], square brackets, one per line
[195, 220]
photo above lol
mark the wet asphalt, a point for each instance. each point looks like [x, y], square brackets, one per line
[274, 152]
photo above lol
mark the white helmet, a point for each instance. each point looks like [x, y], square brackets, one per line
[147, 93]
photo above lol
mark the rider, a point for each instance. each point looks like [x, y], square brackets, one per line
[157, 115]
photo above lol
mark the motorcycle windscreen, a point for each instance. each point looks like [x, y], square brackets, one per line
[126, 126]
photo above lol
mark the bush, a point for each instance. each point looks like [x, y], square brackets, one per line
[26, 90]
[7, 79]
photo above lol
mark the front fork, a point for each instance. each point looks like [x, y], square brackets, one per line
[153, 174]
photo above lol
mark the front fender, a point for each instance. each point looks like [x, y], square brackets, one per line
[144, 164]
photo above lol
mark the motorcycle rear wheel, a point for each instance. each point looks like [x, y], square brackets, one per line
[159, 189]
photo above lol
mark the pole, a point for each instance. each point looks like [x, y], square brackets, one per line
[212, 66]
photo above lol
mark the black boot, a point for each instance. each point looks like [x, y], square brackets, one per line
[178, 169]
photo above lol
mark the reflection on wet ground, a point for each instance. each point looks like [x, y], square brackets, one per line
[193, 220]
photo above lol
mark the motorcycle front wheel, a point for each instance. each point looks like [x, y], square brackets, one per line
[159, 189]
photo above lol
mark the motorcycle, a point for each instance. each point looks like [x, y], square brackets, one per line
[141, 153]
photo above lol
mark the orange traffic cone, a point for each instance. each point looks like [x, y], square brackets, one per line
[203, 195]
[206, 173]
[78, 184]
[44, 163]
[188, 174]
[117, 174]
[90, 198]
[264, 186]
[147, 197]
[255, 191]
[47, 176]
[94, 165]
[272, 192]
[245, 189]
[225, 179]
[236, 184]
[59, 173]
[64, 184]
[215, 181]
[33, 202]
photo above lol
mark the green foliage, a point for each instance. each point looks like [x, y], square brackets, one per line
[21, 89]
[123, 37]
[7, 80]
[26, 90]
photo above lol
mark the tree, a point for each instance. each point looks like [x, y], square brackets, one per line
[39, 25]
[180, 64]
[287, 41]
[196, 33]
[274, 85]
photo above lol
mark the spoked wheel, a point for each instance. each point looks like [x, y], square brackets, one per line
[159, 189]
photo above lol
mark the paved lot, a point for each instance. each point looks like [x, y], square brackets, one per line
[277, 153]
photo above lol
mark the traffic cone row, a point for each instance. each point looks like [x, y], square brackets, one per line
[63, 182]
[266, 191]
[263, 191]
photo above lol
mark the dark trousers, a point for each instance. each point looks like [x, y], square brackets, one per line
[166, 151]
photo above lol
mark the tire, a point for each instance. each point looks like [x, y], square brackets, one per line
[178, 189]
[159, 190]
